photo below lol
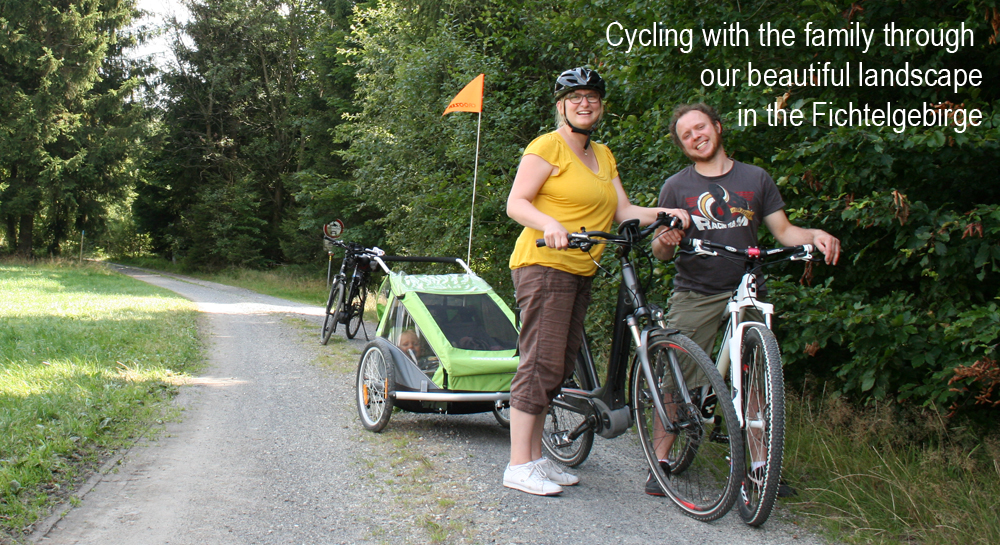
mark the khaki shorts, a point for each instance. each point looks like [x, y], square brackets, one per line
[553, 305]
[699, 318]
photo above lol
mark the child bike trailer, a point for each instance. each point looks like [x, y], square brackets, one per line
[445, 343]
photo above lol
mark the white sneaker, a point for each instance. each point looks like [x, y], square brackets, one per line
[553, 472]
[528, 478]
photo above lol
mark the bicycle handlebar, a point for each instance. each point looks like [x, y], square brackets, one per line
[418, 259]
[803, 252]
[355, 248]
[585, 239]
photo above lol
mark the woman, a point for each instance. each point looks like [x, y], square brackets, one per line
[564, 182]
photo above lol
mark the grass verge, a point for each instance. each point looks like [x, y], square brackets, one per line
[892, 474]
[87, 359]
[292, 282]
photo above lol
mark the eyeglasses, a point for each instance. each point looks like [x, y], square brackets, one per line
[577, 99]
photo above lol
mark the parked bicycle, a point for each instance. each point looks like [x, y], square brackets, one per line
[346, 304]
[757, 383]
[667, 373]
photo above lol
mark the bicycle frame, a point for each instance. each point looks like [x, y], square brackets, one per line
[607, 406]
[731, 348]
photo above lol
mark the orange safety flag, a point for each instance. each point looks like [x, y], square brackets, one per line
[469, 99]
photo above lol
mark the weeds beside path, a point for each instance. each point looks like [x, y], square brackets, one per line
[87, 358]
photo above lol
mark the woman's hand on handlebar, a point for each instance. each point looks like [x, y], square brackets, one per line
[678, 213]
[666, 238]
[668, 235]
[556, 236]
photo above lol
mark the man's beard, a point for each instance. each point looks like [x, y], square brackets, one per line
[700, 159]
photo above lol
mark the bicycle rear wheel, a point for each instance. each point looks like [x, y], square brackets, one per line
[764, 417]
[706, 465]
[333, 306]
[559, 422]
[357, 308]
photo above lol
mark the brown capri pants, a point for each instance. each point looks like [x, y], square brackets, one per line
[553, 305]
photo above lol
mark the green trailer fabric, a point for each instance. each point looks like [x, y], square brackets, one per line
[489, 366]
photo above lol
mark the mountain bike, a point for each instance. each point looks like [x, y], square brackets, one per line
[666, 372]
[346, 304]
[757, 381]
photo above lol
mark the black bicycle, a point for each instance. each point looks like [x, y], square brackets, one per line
[346, 304]
[667, 371]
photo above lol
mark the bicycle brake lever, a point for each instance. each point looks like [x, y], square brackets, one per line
[806, 254]
[698, 248]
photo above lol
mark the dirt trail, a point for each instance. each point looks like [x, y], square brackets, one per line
[268, 449]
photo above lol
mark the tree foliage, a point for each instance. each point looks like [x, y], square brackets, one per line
[916, 295]
[217, 191]
[70, 118]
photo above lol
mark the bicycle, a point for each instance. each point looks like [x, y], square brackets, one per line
[346, 304]
[666, 372]
[757, 382]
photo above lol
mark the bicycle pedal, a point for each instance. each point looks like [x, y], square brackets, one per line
[717, 437]
[561, 439]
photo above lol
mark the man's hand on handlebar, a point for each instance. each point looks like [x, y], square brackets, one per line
[829, 245]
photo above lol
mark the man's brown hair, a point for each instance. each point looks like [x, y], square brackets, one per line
[684, 109]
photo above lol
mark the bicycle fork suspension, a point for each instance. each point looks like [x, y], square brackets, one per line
[642, 342]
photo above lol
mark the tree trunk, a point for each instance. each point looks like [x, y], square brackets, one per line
[11, 222]
[27, 226]
[58, 229]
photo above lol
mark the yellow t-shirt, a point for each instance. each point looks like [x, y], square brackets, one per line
[576, 197]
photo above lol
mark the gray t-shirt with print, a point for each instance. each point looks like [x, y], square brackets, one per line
[726, 209]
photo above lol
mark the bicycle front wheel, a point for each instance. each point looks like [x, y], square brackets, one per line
[764, 419]
[705, 463]
[357, 308]
[332, 308]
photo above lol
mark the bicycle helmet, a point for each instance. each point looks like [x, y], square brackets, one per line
[578, 78]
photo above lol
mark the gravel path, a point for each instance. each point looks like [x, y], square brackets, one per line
[268, 449]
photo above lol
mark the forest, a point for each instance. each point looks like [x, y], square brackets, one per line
[273, 117]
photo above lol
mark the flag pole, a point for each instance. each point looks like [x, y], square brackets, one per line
[475, 175]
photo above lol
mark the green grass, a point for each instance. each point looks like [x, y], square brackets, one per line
[87, 359]
[892, 474]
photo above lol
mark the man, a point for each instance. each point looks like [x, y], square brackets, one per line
[727, 200]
